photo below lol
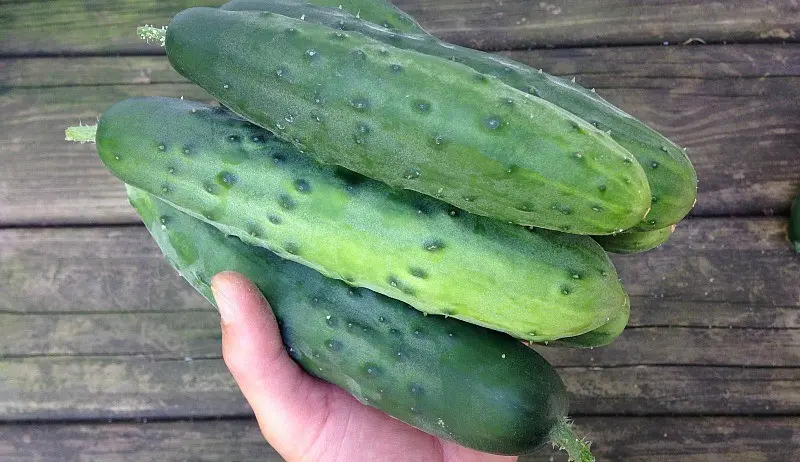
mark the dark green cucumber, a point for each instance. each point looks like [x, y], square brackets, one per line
[794, 224]
[380, 12]
[412, 120]
[537, 285]
[635, 242]
[672, 178]
[479, 388]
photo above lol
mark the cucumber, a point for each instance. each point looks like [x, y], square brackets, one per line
[479, 388]
[794, 224]
[412, 120]
[379, 12]
[536, 285]
[671, 175]
[598, 337]
[635, 242]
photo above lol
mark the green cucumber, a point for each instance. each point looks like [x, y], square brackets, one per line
[479, 388]
[537, 285]
[379, 12]
[598, 337]
[412, 120]
[635, 242]
[671, 175]
[794, 224]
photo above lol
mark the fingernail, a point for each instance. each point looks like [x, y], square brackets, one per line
[227, 309]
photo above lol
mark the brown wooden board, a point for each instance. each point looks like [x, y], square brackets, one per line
[655, 439]
[734, 107]
[73, 26]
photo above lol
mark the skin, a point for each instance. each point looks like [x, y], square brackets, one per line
[304, 418]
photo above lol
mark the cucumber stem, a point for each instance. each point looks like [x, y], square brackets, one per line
[564, 438]
[152, 34]
[81, 133]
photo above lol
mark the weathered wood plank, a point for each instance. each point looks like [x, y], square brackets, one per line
[51, 181]
[196, 335]
[125, 387]
[666, 66]
[145, 442]
[656, 439]
[688, 346]
[733, 106]
[697, 279]
[174, 334]
[58, 26]
[89, 270]
[70, 292]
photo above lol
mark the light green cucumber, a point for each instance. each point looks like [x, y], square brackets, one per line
[412, 120]
[670, 173]
[380, 12]
[536, 285]
[488, 392]
[635, 242]
[601, 336]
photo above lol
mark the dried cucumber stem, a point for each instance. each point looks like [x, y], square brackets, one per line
[81, 133]
[564, 438]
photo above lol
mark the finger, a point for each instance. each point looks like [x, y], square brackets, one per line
[284, 398]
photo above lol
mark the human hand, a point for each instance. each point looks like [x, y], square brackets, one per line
[301, 416]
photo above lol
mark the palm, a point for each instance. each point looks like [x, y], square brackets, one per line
[337, 427]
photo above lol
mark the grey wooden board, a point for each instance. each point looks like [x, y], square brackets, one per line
[717, 272]
[105, 387]
[72, 26]
[181, 334]
[652, 439]
[96, 324]
[734, 107]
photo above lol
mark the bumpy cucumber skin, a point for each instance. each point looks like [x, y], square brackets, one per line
[479, 388]
[378, 12]
[794, 224]
[635, 242]
[537, 285]
[412, 120]
[670, 173]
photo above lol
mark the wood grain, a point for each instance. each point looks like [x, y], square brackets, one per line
[73, 26]
[71, 292]
[734, 108]
[181, 334]
[108, 387]
[234, 440]
[656, 439]
[695, 280]
[97, 325]
[87, 271]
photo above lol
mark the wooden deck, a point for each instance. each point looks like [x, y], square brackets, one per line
[106, 354]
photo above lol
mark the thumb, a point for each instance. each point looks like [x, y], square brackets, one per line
[278, 390]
